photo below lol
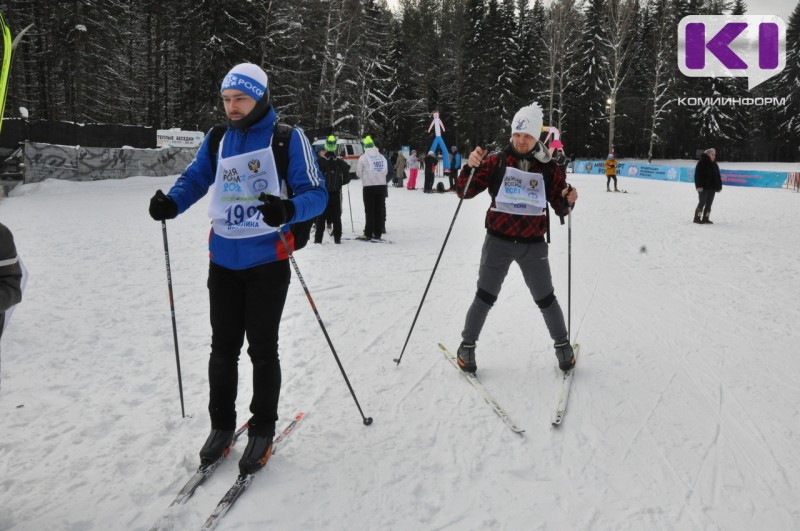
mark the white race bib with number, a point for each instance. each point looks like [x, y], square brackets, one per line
[239, 181]
[521, 193]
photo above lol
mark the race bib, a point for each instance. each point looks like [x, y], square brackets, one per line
[239, 181]
[521, 193]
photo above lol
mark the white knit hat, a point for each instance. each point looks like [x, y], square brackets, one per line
[528, 120]
[248, 78]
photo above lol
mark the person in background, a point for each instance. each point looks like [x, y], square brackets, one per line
[372, 169]
[611, 172]
[430, 170]
[413, 169]
[10, 275]
[455, 167]
[337, 174]
[561, 160]
[521, 179]
[248, 273]
[707, 181]
[399, 170]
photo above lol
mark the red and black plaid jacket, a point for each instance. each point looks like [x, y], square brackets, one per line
[523, 229]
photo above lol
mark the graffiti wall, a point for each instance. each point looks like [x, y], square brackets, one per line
[52, 161]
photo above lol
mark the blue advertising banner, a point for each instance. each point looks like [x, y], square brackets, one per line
[753, 178]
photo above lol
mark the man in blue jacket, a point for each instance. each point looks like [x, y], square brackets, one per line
[248, 276]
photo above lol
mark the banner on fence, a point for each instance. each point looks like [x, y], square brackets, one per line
[752, 178]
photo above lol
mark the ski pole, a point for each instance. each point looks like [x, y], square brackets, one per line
[436, 265]
[172, 311]
[569, 274]
[350, 204]
[367, 420]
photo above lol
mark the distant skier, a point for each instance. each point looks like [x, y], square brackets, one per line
[521, 180]
[611, 172]
[337, 174]
[372, 169]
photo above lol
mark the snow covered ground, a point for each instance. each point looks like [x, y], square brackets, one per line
[684, 414]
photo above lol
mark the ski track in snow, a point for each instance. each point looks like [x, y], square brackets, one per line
[683, 413]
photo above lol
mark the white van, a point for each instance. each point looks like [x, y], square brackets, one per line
[348, 149]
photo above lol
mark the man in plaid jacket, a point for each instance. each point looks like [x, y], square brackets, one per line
[521, 179]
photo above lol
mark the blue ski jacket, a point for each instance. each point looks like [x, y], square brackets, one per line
[303, 176]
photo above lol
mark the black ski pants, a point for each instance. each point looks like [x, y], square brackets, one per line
[375, 210]
[705, 199]
[333, 215]
[247, 303]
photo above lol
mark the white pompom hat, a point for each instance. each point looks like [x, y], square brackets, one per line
[528, 120]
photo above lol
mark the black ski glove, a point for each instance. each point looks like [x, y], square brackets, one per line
[162, 207]
[276, 211]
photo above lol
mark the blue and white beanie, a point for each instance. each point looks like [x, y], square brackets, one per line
[248, 78]
[528, 120]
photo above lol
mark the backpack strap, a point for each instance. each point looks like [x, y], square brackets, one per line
[214, 140]
[281, 136]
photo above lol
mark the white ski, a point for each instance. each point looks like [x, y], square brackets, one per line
[563, 391]
[472, 379]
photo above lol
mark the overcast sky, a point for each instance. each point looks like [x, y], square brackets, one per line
[782, 8]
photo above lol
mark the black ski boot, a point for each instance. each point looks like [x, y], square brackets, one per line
[258, 450]
[697, 213]
[215, 446]
[466, 357]
[565, 355]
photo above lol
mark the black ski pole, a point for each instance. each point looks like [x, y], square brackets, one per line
[367, 420]
[569, 274]
[435, 266]
[350, 204]
[172, 311]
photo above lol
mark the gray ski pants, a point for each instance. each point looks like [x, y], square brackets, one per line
[496, 258]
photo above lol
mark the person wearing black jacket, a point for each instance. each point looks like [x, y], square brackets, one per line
[430, 168]
[337, 174]
[10, 274]
[708, 182]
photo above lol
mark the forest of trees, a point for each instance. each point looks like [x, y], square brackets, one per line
[605, 71]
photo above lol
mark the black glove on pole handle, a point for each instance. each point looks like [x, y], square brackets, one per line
[436, 265]
[172, 312]
[367, 420]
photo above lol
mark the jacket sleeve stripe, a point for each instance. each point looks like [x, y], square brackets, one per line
[10, 261]
[308, 154]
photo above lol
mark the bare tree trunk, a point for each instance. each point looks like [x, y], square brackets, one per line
[620, 15]
[323, 73]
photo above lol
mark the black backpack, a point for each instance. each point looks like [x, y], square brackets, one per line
[280, 149]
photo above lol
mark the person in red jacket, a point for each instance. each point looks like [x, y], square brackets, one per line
[521, 179]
